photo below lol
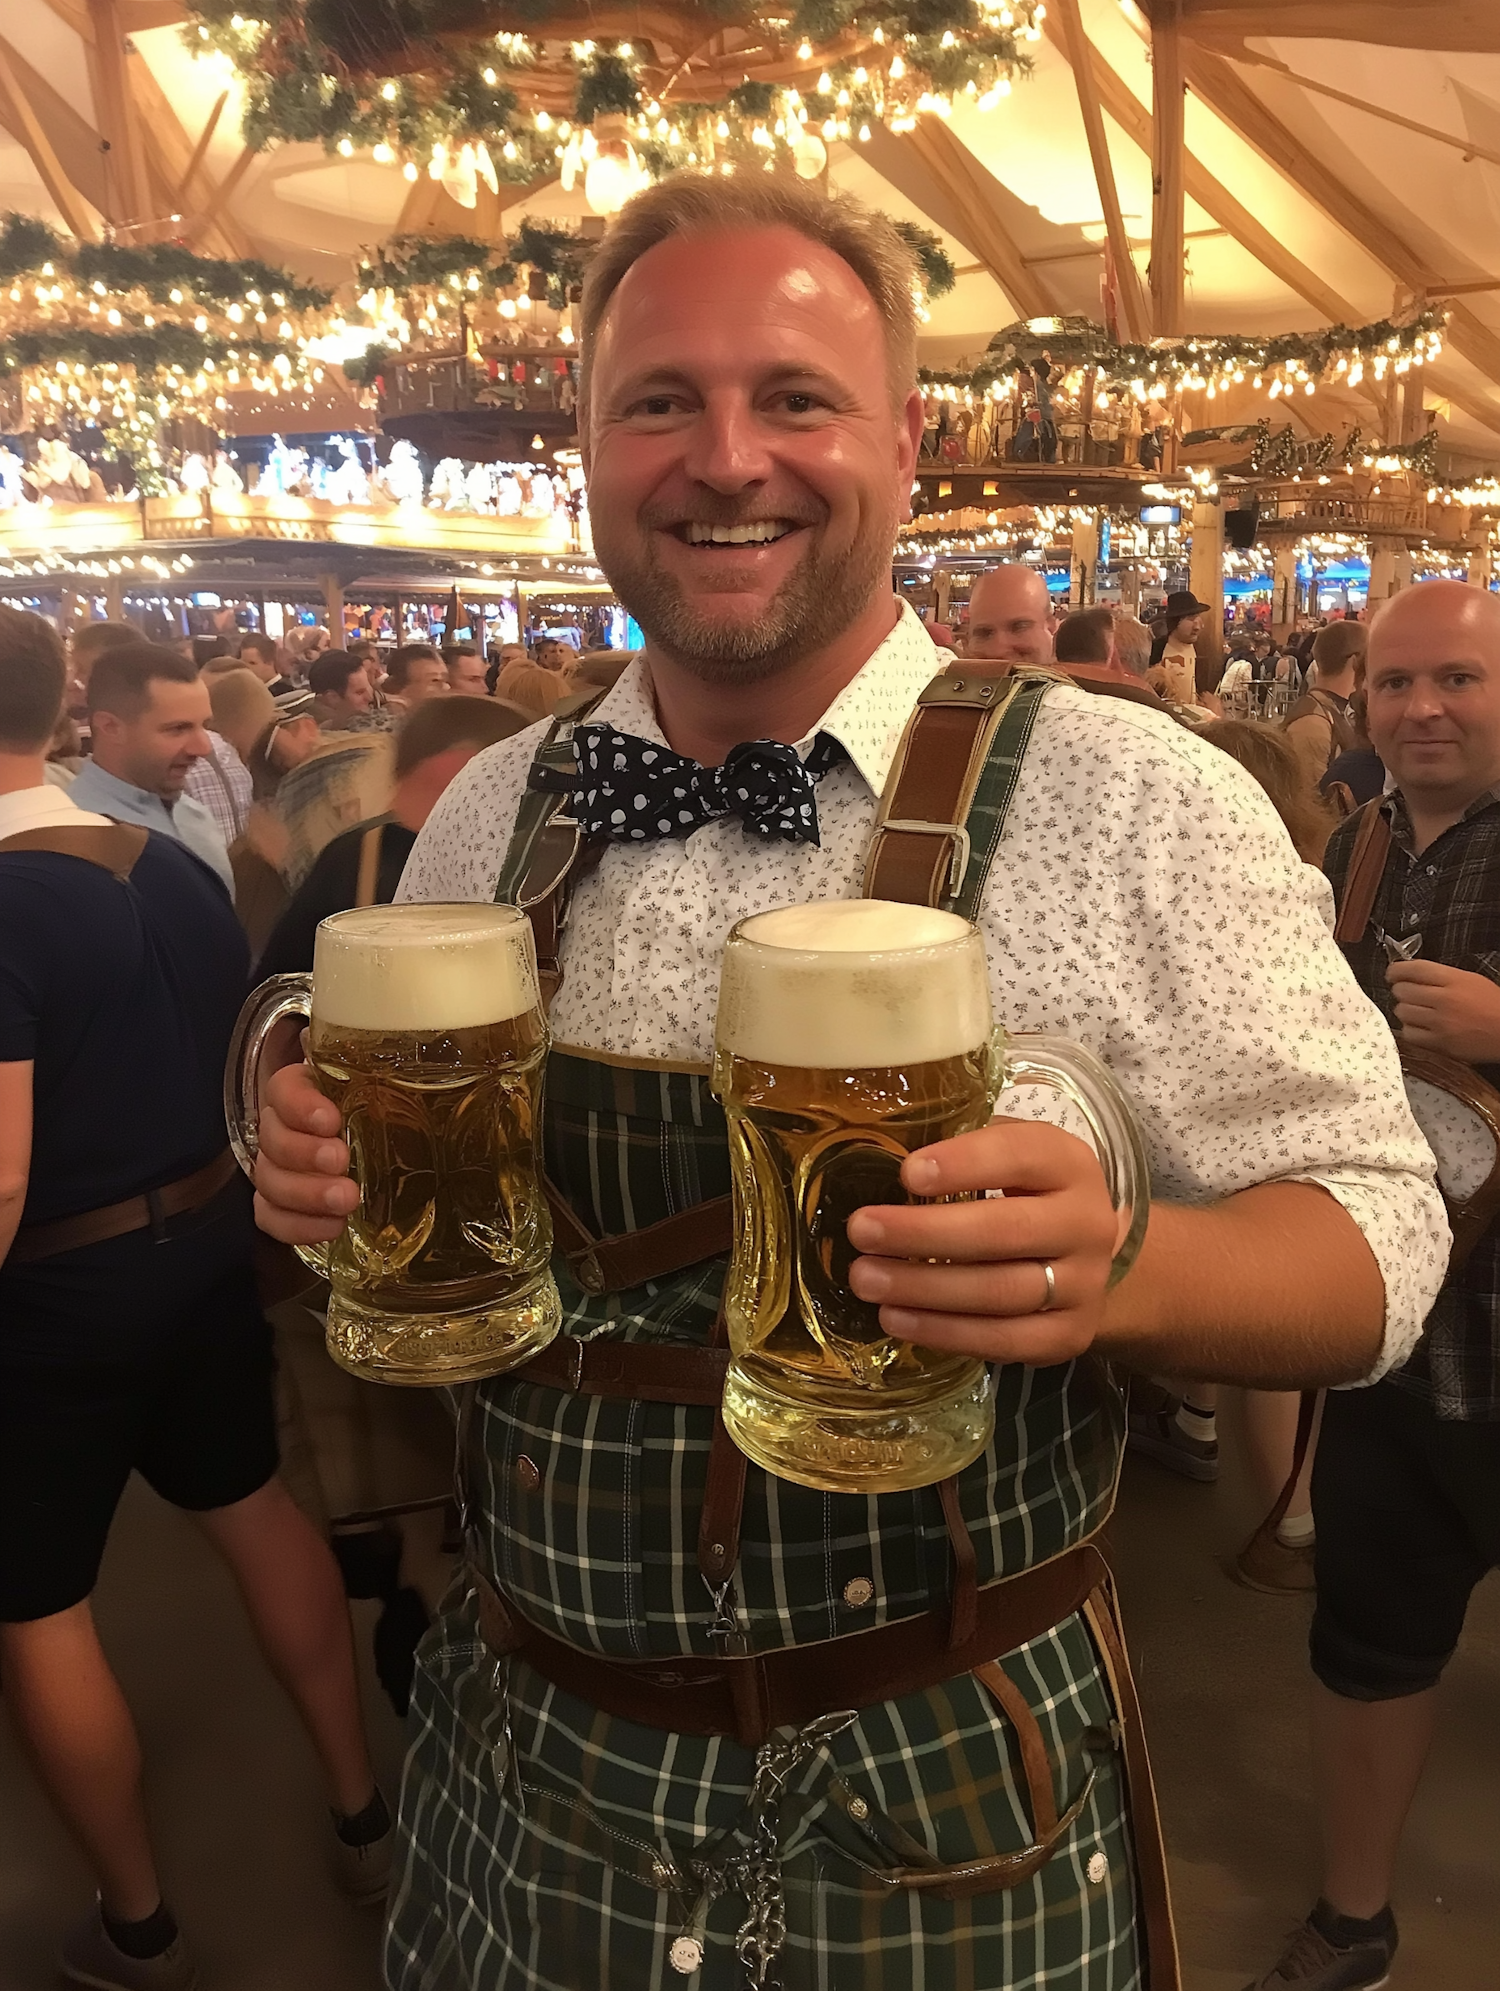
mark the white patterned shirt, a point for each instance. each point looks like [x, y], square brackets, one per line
[1145, 901]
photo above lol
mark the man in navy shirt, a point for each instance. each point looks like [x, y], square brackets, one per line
[131, 1336]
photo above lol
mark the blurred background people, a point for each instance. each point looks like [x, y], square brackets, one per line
[363, 865]
[131, 1335]
[465, 667]
[416, 672]
[1010, 617]
[148, 715]
[342, 695]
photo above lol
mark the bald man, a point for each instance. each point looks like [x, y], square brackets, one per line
[1010, 617]
[1406, 1488]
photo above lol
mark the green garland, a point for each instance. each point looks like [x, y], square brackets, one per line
[413, 75]
[27, 246]
[1284, 453]
[934, 262]
[1073, 341]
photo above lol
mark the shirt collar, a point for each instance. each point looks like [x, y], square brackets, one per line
[111, 788]
[43, 808]
[1401, 815]
[867, 718]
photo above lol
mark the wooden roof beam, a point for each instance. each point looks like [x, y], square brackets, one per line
[20, 119]
[1131, 115]
[971, 210]
[1230, 97]
[115, 113]
[1132, 300]
[1168, 151]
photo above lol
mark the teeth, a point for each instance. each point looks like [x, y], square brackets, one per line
[756, 533]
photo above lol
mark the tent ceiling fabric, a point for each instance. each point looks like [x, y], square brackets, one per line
[1300, 206]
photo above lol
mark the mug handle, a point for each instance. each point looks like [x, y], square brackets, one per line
[1039, 1058]
[265, 1007]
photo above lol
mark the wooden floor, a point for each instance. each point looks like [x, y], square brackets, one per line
[237, 1809]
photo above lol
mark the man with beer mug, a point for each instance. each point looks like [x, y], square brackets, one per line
[602, 1787]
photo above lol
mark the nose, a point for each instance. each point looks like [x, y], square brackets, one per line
[727, 446]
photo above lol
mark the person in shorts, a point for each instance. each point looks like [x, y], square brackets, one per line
[131, 1336]
[1406, 1485]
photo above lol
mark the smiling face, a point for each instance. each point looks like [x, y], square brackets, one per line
[748, 462]
[1432, 691]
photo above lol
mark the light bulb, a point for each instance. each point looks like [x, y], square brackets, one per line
[809, 156]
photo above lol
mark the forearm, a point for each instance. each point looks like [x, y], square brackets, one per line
[1275, 1288]
[10, 1221]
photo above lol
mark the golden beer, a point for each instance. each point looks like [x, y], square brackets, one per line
[849, 1035]
[427, 1032]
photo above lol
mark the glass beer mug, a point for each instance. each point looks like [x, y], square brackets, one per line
[849, 1035]
[426, 1030]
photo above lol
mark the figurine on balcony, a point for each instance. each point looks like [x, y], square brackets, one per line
[508, 498]
[59, 474]
[226, 479]
[479, 487]
[282, 470]
[13, 490]
[402, 476]
[446, 491]
[347, 483]
[194, 476]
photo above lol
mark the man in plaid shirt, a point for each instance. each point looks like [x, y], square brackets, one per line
[1406, 1486]
[752, 426]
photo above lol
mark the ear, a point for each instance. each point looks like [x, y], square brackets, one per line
[908, 446]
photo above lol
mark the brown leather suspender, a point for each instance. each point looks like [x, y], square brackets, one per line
[114, 847]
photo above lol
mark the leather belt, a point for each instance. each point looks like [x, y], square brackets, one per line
[646, 1370]
[614, 1264]
[135, 1213]
[750, 1697]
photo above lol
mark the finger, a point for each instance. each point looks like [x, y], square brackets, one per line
[1416, 974]
[292, 1229]
[975, 1233]
[1022, 1157]
[302, 1154]
[298, 1104]
[1421, 1039]
[1421, 1014]
[1041, 1341]
[1007, 1290]
[304, 1192]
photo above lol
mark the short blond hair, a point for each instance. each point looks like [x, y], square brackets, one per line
[707, 204]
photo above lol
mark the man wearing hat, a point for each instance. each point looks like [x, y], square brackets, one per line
[1174, 656]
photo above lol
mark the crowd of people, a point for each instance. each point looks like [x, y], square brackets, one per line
[599, 1786]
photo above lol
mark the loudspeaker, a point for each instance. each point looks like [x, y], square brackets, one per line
[1241, 526]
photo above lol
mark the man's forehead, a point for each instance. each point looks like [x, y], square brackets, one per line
[772, 278]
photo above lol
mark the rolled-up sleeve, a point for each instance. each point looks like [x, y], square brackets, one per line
[1220, 1001]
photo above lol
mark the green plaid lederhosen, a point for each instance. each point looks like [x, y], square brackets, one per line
[546, 1845]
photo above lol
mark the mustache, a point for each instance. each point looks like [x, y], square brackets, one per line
[710, 509]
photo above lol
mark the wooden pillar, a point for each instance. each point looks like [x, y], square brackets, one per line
[1083, 568]
[1168, 102]
[333, 601]
[1283, 589]
[1130, 589]
[942, 594]
[114, 598]
[1481, 564]
[1390, 569]
[1206, 571]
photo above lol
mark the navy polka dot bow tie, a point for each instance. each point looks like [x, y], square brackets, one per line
[633, 791]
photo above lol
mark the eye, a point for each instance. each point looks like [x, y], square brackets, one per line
[801, 401]
[656, 405]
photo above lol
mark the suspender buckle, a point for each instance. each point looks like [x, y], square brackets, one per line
[959, 863]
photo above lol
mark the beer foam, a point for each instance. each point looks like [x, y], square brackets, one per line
[423, 967]
[852, 984]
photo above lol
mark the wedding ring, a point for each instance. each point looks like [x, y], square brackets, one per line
[1051, 1300]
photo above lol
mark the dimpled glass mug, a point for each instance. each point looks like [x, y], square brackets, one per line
[426, 1030]
[849, 1035]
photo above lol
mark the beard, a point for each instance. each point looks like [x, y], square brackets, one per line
[819, 600]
